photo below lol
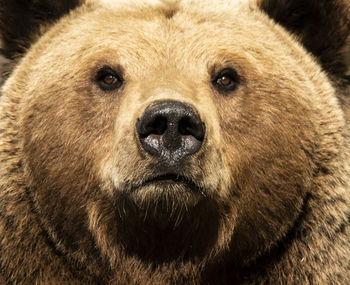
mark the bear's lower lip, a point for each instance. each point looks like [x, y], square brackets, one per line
[173, 179]
[169, 177]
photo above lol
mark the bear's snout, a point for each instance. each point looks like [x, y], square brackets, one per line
[170, 130]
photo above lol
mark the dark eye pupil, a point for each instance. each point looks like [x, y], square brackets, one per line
[110, 79]
[224, 80]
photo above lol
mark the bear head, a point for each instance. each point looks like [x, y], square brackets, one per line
[179, 131]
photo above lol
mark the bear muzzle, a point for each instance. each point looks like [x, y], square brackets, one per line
[170, 131]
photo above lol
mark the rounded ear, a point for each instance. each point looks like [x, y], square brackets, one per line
[22, 20]
[323, 27]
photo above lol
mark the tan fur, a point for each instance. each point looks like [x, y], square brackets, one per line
[273, 171]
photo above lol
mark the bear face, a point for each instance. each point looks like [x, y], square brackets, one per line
[181, 137]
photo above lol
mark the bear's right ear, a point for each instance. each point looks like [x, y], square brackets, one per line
[22, 21]
[322, 26]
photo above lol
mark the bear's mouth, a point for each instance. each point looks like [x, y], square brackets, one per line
[169, 179]
[168, 182]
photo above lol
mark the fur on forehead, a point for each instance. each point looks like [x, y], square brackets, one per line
[177, 5]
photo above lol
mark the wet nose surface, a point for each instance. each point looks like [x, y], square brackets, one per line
[170, 130]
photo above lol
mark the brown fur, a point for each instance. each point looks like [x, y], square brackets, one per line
[268, 199]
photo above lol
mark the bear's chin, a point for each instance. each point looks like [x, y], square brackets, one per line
[166, 220]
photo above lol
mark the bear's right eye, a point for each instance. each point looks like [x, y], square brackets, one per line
[108, 79]
[226, 80]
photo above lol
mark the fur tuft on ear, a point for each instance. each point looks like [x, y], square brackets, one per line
[22, 20]
[323, 27]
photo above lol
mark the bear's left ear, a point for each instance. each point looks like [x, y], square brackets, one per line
[322, 26]
[21, 22]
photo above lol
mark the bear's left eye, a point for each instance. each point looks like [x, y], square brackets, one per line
[108, 79]
[226, 80]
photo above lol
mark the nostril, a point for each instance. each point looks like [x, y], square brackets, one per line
[185, 127]
[189, 127]
[156, 126]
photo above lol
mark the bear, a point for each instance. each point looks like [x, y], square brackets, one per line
[175, 142]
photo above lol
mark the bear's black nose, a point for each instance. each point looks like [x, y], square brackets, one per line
[170, 130]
